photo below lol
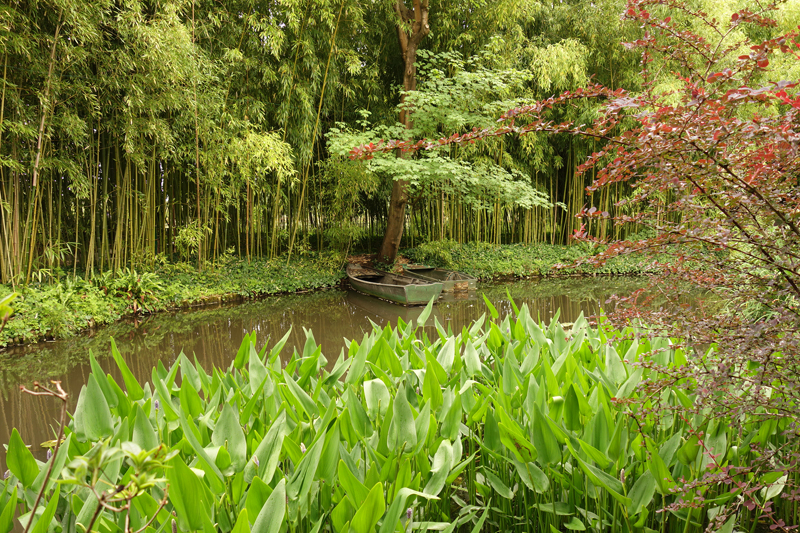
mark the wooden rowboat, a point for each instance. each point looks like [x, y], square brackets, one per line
[404, 290]
[450, 280]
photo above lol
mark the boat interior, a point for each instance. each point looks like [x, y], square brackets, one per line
[372, 276]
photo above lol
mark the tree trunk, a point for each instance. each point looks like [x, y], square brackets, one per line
[412, 27]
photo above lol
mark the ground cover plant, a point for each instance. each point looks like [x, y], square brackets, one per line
[507, 425]
[58, 308]
[491, 261]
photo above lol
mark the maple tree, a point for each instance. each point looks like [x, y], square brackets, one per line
[714, 162]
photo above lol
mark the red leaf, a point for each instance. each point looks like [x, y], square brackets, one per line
[734, 17]
[764, 63]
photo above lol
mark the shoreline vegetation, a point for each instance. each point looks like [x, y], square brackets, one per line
[506, 424]
[56, 309]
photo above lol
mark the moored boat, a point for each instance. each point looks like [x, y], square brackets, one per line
[450, 280]
[404, 290]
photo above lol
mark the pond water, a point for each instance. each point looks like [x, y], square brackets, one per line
[213, 336]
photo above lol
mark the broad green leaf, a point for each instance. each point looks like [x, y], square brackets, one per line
[423, 316]
[43, 524]
[20, 460]
[257, 495]
[642, 493]
[341, 515]
[497, 484]
[367, 516]
[326, 471]
[258, 372]
[229, 434]
[242, 353]
[402, 432]
[472, 361]
[96, 416]
[492, 310]
[143, 433]
[661, 474]
[544, 440]
[187, 494]
[135, 391]
[479, 526]
[215, 480]
[431, 388]
[356, 371]
[447, 354]
[242, 524]
[575, 524]
[601, 479]
[165, 397]
[688, 452]
[303, 400]
[728, 526]
[276, 350]
[354, 489]
[572, 410]
[532, 476]
[377, 396]
[451, 424]
[191, 403]
[110, 395]
[7, 516]
[303, 476]
[268, 451]
[594, 454]
[442, 462]
[271, 517]
[398, 507]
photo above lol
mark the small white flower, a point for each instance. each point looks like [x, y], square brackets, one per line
[255, 460]
[302, 448]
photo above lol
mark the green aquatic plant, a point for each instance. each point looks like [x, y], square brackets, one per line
[507, 425]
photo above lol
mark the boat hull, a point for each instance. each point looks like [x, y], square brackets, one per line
[400, 289]
[451, 281]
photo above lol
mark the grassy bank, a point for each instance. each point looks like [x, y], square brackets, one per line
[65, 307]
[509, 425]
[486, 261]
[53, 309]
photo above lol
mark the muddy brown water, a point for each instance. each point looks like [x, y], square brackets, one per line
[213, 336]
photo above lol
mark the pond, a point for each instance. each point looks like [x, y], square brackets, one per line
[213, 336]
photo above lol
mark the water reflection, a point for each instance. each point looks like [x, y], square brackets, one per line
[213, 335]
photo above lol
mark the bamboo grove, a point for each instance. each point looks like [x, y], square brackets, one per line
[180, 130]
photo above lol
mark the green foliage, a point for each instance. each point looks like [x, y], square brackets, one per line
[63, 309]
[511, 425]
[453, 96]
[488, 261]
